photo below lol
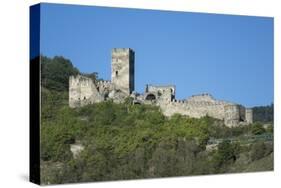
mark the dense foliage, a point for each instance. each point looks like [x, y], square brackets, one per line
[55, 72]
[125, 141]
[263, 114]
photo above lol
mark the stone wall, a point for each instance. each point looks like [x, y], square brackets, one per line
[104, 87]
[82, 91]
[249, 115]
[195, 109]
[202, 97]
[161, 93]
[232, 115]
[205, 105]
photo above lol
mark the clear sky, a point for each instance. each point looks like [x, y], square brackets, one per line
[230, 57]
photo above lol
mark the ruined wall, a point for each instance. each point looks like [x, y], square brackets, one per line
[204, 97]
[202, 105]
[195, 109]
[122, 69]
[163, 93]
[249, 115]
[82, 91]
[242, 112]
[104, 87]
[232, 115]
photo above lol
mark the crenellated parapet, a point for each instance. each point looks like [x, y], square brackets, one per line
[105, 87]
[201, 97]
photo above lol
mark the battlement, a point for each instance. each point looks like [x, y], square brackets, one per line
[201, 103]
[104, 82]
[233, 114]
[118, 50]
[201, 97]
[79, 80]
[178, 101]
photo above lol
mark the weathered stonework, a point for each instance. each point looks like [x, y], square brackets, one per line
[83, 90]
[122, 69]
[249, 115]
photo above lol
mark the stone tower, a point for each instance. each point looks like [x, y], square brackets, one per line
[249, 115]
[123, 69]
[232, 115]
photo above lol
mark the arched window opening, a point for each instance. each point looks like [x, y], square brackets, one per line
[150, 97]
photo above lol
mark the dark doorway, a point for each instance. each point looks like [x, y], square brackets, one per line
[150, 97]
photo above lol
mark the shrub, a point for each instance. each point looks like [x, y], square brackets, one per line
[226, 154]
[257, 129]
[258, 151]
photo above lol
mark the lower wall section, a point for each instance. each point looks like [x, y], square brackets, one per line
[231, 114]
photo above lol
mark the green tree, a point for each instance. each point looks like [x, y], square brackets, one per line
[257, 129]
[55, 73]
[225, 155]
[258, 151]
[263, 114]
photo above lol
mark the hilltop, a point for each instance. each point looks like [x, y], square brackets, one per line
[126, 141]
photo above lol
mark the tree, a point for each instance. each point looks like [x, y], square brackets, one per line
[257, 151]
[55, 73]
[263, 114]
[162, 163]
[257, 129]
[226, 154]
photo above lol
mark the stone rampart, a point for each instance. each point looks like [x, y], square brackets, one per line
[82, 91]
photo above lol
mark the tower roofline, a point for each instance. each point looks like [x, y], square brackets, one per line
[122, 49]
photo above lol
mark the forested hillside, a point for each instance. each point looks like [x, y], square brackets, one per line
[263, 114]
[125, 141]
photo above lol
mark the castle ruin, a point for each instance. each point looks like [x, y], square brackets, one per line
[84, 90]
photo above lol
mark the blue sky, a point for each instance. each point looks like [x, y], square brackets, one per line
[230, 57]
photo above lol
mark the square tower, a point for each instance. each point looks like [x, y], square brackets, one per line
[123, 69]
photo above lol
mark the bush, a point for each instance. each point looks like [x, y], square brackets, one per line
[55, 73]
[263, 114]
[269, 129]
[260, 150]
[257, 151]
[257, 129]
[226, 154]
